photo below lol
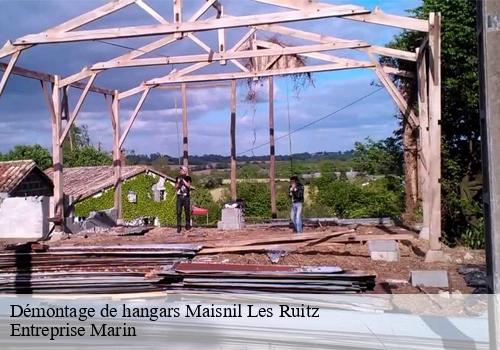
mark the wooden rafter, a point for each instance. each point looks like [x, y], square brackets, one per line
[205, 25]
[73, 23]
[8, 71]
[257, 74]
[376, 16]
[188, 69]
[27, 73]
[355, 44]
[77, 108]
[291, 50]
[85, 73]
[133, 117]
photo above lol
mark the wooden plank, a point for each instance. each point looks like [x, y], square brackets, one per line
[272, 156]
[221, 36]
[8, 71]
[339, 43]
[188, 69]
[435, 130]
[58, 203]
[185, 146]
[205, 25]
[178, 16]
[135, 53]
[245, 75]
[219, 56]
[73, 23]
[117, 163]
[77, 108]
[233, 140]
[133, 116]
[423, 165]
[376, 16]
[346, 239]
[278, 238]
[151, 11]
[395, 93]
[27, 73]
[91, 16]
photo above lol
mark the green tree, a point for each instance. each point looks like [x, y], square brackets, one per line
[39, 154]
[78, 151]
[384, 157]
[460, 103]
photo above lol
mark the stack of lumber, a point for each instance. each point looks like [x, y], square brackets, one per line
[87, 269]
[290, 242]
[266, 278]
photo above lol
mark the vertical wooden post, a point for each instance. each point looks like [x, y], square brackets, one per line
[272, 160]
[185, 156]
[435, 253]
[233, 140]
[57, 157]
[178, 16]
[117, 161]
[424, 154]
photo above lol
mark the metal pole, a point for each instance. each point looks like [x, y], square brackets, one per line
[489, 66]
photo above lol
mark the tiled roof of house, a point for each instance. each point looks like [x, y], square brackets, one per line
[13, 172]
[83, 182]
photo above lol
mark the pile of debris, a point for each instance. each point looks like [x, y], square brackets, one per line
[475, 276]
[233, 278]
[35, 268]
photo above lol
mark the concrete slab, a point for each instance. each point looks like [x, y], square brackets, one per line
[436, 278]
[383, 246]
[385, 256]
[436, 256]
[24, 217]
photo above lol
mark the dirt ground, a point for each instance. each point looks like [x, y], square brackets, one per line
[392, 277]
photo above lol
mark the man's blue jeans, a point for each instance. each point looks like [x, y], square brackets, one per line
[296, 216]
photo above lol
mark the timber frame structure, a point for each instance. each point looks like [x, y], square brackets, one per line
[427, 58]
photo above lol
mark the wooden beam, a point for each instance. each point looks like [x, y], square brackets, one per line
[117, 162]
[188, 69]
[57, 156]
[151, 11]
[178, 16]
[234, 195]
[395, 93]
[221, 37]
[340, 43]
[201, 11]
[141, 50]
[245, 75]
[435, 252]
[216, 56]
[423, 164]
[185, 146]
[50, 78]
[77, 108]
[376, 16]
[133, 116]
[158, 29]
[8, 71]
[272, 152]
[72, 24]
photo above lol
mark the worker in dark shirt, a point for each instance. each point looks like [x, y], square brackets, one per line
[296, 192]
[182, 190]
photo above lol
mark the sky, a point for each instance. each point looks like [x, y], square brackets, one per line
[324, 113]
